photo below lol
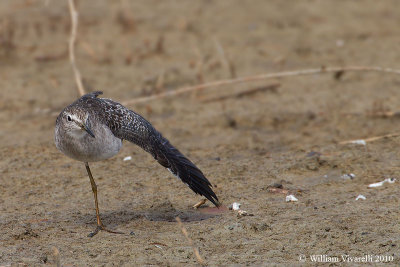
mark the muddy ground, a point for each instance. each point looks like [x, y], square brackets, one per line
[288, 136]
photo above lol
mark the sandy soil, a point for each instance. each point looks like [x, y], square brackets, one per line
[288, 136]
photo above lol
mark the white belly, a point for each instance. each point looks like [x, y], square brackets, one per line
[84, 147]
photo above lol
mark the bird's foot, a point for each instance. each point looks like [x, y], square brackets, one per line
[102, 228]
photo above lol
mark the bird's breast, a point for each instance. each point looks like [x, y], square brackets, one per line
[87, 148]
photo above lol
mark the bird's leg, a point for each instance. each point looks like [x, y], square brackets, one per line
[100, 225]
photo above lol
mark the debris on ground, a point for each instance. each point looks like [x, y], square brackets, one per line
[350, 176]
[359, 142]
[291, 198]
[361, 197]
[127, 158]
[236, 207]
[378, 184]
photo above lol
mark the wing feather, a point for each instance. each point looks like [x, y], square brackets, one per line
[128, 125]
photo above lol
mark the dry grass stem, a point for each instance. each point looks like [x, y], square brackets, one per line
[370, 139]
[185, 233]
[89, 50]
[224, 59]
[56, 254]
[248, 92]
[385, 114]
[74, 26]
[258, 78]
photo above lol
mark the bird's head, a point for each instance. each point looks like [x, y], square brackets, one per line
[75, 123]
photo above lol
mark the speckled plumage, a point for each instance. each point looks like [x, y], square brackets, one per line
[110, 123]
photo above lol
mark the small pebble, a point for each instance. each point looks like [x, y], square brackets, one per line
[242, 213]
[291, 198]
[277, 185]
[339, 43]
[349, 176]
[359, 142]
[375, 185]
[378, 184]
[127, 158]
[390, 180]
[235, 206]
[360, 197]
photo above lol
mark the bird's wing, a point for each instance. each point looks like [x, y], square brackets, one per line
[126, 124]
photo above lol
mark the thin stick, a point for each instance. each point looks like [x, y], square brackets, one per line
[56, 254]
[223, 58]
[74, 26]
[369, 139]
[185, 233]
[258, 78]
[251, 91]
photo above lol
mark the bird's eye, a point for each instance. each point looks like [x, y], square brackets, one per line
[69, 118]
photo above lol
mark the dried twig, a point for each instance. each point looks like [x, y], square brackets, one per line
[47, 58]
[89, 50]
[385, 114]
[224, 59]
[258, 78]
[369, 139]
[74, 26]
[185, 233]
[56, 254]
[248, 92]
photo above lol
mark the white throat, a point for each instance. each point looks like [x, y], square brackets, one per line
[77, 133]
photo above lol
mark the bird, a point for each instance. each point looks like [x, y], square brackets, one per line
[92, 129]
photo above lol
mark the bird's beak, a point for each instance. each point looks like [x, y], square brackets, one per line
[85, 127]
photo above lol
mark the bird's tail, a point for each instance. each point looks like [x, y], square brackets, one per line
[170, 157]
